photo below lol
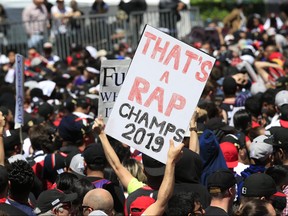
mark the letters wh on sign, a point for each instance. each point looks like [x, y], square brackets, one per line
[158, 97]
[112, 76]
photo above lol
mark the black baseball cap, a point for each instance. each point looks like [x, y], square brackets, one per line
[49, 199]
[94, 155]
[258, 185]
[152, 167]
[220, 180]
[279, 136]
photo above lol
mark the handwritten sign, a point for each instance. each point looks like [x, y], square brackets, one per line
[19, 107]
[160, 93]
[112, 76]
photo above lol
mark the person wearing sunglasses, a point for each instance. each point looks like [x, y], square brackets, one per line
[97, 202]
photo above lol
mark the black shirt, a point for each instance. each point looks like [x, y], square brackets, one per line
[11, 210]
[213, 210]
[116, 192]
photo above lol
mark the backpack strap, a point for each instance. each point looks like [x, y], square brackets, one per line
[101, 183]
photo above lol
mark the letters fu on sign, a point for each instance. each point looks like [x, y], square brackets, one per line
[160, 93]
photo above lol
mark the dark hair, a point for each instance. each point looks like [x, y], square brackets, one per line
[21, 177]
[66, 182]
[41, 138]
[82, 187]
[269, 96]
[182, 203]
[229, 86]
[242, 119]
[254, 105]
[254, 207]
[279, 173]
[110, 175]
[36, 92]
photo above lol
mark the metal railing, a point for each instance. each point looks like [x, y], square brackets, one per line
[102, 32]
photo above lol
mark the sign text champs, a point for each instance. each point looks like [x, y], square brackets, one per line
[159, 94]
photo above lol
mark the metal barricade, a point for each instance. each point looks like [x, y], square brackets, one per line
[102, 32]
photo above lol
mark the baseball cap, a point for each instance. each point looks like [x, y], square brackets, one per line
[11, 139]
[94, 155]
[45, 110]
[220, 180]
[77, 165]
[70, 129]
[231, 138]
[279, 136]
[230, 154]
[281, 98]
[47, 45]
[97, 213]
[92, 70]
[218, 123]
[152, 167]
[261, 148]
[140, 204]
[49, 199]
[258, 185]
[92, 51]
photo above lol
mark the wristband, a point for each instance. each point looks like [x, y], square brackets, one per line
[193, 129]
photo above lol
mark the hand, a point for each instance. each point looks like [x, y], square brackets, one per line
[194, 118]
[98, 125]
[175, 153]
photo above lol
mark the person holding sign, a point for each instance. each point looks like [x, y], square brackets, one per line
[126, 178]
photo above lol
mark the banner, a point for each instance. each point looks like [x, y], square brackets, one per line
[19, 107]
[160, 93]
[112, 76]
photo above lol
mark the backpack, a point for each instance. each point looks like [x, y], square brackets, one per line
[101, 183]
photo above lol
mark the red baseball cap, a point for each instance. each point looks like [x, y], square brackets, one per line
[230, 154]
[139, 205]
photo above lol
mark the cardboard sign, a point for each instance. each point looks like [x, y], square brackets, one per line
[112, 76]
[159, 95]
[19, 107]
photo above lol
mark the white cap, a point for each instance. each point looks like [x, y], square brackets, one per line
[97, 213]
[281, 98]
[92, 51]
[92, 70]
[77, 164]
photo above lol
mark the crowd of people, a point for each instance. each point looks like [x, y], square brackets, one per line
[234, 156]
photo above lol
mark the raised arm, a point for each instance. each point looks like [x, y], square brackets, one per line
[2, 124]
[167, 185]
[260, 67]
[123, 174]
[194, 142]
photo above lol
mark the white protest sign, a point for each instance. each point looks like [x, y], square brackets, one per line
[19, 107]
[159, 95]
[112, 76]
